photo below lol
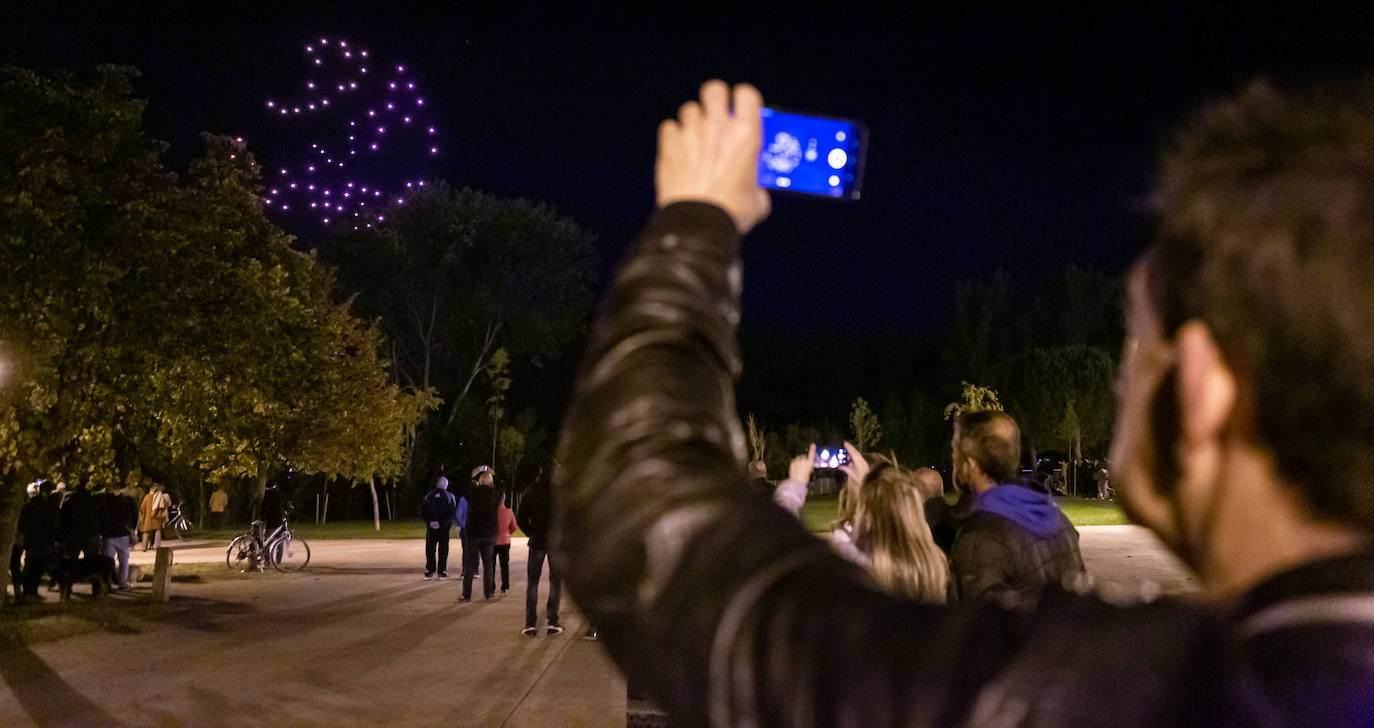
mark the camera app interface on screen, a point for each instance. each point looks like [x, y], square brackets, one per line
[810, 154]
[828, 458]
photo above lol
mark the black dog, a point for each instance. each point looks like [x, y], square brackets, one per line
[99, 571]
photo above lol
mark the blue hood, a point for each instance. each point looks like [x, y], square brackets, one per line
[1033, 510]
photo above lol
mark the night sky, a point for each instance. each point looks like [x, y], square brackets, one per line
[1018, 141]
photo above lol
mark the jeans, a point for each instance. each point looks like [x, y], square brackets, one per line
[484, 548]
[436, 540]
[118, 549]
[503, 558]
[533, 570]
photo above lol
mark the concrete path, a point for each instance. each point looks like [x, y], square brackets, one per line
[358, 638]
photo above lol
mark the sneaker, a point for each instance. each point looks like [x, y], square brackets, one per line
[443, 575]
[529, 631]
[556, 629]
[504, 589]
[464, 599]
[429, 575]
[590, 635]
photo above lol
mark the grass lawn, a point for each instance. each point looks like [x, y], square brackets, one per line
[817, 514]
[819, 511]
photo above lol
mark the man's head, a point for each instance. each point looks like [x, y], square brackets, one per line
[1246, 401]
[930, 482]
[758, 470]
[986, 449]
[482, 476]
[441, 483]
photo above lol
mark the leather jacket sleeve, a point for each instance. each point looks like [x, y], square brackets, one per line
[722, 605]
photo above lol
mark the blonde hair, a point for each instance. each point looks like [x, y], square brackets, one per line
[890, 525]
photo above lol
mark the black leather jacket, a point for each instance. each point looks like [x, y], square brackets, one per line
[729, 613]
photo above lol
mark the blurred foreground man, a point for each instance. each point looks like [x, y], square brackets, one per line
[1245, 440]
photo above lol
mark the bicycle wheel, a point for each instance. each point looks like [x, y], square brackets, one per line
[179, 528]
[242, 554]
[289, 553]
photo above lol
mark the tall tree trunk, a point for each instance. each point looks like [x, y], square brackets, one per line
[200, 504]
[12, 497]
[324, 517]
[376, 508]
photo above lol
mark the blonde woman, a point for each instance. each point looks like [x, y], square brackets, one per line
[890, 527]
[881, 524]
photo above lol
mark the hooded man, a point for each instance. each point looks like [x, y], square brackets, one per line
[1015, 541]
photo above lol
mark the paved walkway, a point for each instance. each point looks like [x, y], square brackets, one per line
[357, 638]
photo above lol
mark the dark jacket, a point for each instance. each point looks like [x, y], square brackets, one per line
[80, 516]
[945, 519]
[121, 514]
[535, 516]
[481, 521]
[730, 613]
[1013, 544]
[38, 523]
[439, 505]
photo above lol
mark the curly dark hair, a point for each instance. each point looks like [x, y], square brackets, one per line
[1266, 234]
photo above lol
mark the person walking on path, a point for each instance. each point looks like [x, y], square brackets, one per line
[439, 510]
[505, 526]
[152, 516]
[219, 503]
[481, 531]
[535, 517]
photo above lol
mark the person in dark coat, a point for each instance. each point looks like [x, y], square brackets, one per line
[439, 509]
[82, 523]
[1243, 433]
[38, 527]
[481, 532]
[535, 518]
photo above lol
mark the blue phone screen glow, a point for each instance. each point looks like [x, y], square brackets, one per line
[812, 155]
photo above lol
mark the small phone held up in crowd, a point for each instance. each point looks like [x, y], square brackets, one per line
[812, 155]
[831, 457]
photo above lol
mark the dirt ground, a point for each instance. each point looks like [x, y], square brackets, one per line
[358, 638]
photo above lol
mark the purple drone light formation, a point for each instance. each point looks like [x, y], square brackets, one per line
[388, 153]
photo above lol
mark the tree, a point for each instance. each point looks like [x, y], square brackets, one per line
[975, 398]
[498, 374]
[758, 438]
[454, 276]
[864, 426]
[1062, 395]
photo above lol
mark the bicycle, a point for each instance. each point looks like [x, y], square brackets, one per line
[176, 521]
[282, 549]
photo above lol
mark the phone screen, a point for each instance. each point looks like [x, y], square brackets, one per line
[812, 155]
[831, 458]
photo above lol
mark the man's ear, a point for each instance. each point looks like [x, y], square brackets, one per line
[1206, 384]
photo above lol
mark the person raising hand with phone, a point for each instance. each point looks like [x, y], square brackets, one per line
[1246, 332]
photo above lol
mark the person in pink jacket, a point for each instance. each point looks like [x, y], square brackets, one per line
[505, 526]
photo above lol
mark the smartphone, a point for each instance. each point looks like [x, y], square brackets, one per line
[812, 155]
[831, 457]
